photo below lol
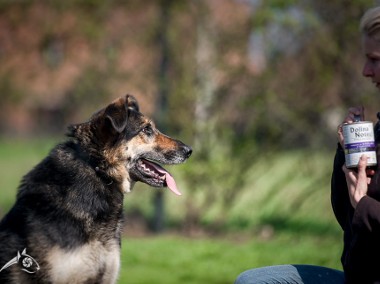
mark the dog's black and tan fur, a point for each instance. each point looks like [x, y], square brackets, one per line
[68, 213]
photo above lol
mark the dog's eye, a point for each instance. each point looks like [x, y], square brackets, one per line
[148, 130]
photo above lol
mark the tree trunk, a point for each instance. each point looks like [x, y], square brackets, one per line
[158, 222]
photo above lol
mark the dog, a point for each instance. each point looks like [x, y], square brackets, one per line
[67, 218]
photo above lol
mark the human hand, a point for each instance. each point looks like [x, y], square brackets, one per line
[350, 118]
[357, 182]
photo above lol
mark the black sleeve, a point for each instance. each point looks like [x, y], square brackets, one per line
[367, 216]
[339, 193]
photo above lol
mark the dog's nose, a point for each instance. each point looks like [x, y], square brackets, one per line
[187, 151]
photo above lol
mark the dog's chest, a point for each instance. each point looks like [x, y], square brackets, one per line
[92, 262]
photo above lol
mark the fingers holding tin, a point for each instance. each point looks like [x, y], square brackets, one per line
[354, 114]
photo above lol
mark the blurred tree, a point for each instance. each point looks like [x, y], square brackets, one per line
[234, 78]
[310, 67]
[162, 100]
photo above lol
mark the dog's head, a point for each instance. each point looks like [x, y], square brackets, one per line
[126, 146]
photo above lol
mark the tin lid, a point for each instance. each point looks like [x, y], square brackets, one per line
[357, 122]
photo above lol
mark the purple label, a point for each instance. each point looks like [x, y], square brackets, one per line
[368, 144]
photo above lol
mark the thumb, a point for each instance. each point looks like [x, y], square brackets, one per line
[362, 165]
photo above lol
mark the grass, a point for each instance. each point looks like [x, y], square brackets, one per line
[175, 259]
[17, 157]
[283, 215]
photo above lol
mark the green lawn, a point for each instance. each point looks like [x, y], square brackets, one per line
[175, 259]
[292, 206]
[17, 157]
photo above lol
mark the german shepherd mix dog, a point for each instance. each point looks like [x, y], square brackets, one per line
[66, 223]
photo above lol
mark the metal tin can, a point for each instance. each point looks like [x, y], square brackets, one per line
[359, 139]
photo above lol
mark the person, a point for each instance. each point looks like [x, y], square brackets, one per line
[355, 198]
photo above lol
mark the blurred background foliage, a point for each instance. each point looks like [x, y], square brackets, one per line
[256, 87]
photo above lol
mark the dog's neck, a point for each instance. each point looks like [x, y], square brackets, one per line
[95, 163]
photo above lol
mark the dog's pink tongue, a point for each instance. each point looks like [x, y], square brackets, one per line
[170, 182]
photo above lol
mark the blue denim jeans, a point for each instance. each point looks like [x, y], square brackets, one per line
[291, 274]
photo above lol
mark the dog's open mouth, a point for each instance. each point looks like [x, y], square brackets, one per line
[155, 175]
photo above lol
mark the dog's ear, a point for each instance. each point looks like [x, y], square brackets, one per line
[132, 103]
[117, 112]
